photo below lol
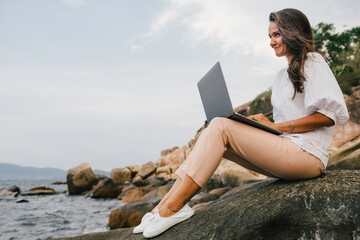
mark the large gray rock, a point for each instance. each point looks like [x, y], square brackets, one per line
[323, 208]
[80, 179]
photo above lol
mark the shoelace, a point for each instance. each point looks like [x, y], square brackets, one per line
[156, 215]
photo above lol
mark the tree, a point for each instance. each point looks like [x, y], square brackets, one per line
[341, 50]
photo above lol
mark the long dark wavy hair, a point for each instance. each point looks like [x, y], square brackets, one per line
[296, 32]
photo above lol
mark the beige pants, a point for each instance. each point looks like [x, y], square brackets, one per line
[254, 149]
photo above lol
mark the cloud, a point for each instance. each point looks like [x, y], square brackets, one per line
[227, 24]
[236, 27]
[75, 3]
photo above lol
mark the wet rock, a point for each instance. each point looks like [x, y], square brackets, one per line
[42, 190]
[6, 193]
[80, 179]
[58, 183]
[106, 189]
[350, 162]
[22, 200]
[130, 214]
[120, 175]
[15, 189]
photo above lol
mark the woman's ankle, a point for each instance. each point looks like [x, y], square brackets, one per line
[169, 209]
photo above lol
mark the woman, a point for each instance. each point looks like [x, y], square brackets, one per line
[307, 102]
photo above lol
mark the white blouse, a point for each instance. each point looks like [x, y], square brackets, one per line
[321, 94]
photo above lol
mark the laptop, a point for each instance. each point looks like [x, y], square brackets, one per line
[216, 100]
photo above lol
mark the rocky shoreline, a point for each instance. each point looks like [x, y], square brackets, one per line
[323, 208]
[141, 187]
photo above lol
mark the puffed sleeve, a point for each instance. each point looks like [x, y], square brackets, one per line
[322, 92]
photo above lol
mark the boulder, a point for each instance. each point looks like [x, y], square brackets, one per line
[130, 214]
[134, 193]
[134, 169]
[350, 162]
[15, 189]
[147, 169]
[158, 191]
[174, 158]
[323, 208]
[164, 169]
[154, 181]
[42, 190]
[80, 179]
[58, 183]
[344, 151]
[106, 189]
[6, 193]
[120, 175]
[213, 183]
[344, 133]
[99, 177]
[234, 177]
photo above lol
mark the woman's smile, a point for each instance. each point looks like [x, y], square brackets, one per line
[276, 41]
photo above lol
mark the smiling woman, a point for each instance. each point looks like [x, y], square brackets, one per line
[307, 102]
[291, 36]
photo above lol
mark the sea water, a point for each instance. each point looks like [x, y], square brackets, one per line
[51, 216]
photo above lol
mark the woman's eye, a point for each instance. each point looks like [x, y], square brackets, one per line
[277, 34]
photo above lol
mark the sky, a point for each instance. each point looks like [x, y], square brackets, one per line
[113, 83]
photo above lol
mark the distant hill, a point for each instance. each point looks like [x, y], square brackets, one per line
[15, 172]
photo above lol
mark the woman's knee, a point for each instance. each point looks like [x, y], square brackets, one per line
[218, 123]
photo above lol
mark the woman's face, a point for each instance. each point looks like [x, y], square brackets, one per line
[277, 42]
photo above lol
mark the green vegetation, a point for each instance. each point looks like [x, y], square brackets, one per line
[342, 53]
[262, 103]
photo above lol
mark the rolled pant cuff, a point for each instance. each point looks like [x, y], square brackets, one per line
[181, 174]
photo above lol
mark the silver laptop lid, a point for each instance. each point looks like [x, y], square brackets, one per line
[214, 94]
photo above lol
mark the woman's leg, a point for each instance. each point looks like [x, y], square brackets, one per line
[168, 194]
[186, 190]
[171, 191]
[258, 150]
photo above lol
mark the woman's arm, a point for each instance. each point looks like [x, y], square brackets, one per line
[305, 124]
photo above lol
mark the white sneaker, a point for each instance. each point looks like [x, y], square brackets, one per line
[160, 224]
[146, 219]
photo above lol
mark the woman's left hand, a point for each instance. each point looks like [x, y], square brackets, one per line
[262, 119]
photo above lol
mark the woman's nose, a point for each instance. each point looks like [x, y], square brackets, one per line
[272, 42]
